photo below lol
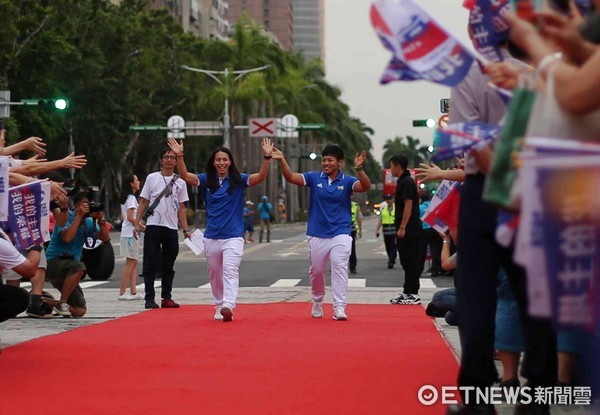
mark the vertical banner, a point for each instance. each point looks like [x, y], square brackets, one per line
[28, 215]
[4, 188]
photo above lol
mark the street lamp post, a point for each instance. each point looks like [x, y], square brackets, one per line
[226, 73]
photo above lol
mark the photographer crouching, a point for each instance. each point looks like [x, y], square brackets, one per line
[65, 268]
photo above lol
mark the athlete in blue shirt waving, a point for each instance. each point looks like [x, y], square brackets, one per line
[329, 222]
[223, 187]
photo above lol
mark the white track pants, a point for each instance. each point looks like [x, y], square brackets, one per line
[224, 257]
[322, 250]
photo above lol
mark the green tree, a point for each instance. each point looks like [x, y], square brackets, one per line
[412, 149]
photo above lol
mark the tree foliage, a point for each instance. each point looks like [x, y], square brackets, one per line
[412, 149]
[121, 65]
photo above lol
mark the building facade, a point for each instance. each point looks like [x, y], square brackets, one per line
[309, 28]
[277, 17]
[205, 18]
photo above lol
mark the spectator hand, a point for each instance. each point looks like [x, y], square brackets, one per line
[503, 74]
[427, 172]
[57, 191]
[35, 144]
[74, 162]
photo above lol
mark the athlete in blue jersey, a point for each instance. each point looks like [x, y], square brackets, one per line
[223, 187]
[329, 222]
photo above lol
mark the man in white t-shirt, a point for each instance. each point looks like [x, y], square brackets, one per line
[161, 244]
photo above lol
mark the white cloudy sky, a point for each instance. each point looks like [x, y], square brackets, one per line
[355, 60]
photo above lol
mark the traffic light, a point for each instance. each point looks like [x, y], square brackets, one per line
[429, 122]
[53, 104]
[59, 104]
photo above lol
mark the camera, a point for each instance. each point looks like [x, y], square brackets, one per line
[94, 206]
[70, 187]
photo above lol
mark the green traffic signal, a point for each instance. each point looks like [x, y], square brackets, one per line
[58, 104]
[430, 122]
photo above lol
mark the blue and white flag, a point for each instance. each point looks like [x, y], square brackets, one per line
[421, 49]
[488, 28]
[28, 218]
[456, 139]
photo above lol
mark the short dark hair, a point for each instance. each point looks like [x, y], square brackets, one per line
[333, 150]
[400, 159]
[80, 196]
[165, 151]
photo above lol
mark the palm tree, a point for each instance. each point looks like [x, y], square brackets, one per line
[412, 149]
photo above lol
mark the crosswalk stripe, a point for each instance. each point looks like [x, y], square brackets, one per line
[90, 284]
[357, 282]
[207, 285]
[286, 282]
[427, 283]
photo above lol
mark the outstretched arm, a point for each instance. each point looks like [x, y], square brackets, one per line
[177, 148]
[40, 166]
[364, 184]
[34, 144]
[294, 178]
[267, 149]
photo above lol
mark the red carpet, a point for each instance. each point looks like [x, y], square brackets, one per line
[272, 359]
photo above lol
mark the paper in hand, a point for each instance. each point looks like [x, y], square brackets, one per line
[195, 242]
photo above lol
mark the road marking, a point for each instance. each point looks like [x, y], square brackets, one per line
[157, 284]
[286, 282]
[286, 254]
[427, 283]
[357, 282]
[90, 284]
[25, 285]
[205, 285]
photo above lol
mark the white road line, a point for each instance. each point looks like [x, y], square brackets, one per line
[286, 282]
[357, 282]
[427, 283]
[207, 285]
[90, 284]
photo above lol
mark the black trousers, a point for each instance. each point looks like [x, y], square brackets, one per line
[431, 237]
[13, 300]
[408, 251]
[390, 248]
[476, 278]
[353, 261]
[161, 247]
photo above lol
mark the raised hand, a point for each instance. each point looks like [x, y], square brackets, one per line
[277, 154]
[267, 146]
[360, 158]
[176, 147]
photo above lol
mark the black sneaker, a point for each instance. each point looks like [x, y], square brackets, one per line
[151, 304]
[40, 310]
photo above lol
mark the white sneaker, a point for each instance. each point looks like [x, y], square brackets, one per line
[317, 310]
[126, 297]
[339, 314]
[137, 296]
[62, 309]
[410, 299]
[227, 313]
[218, 315]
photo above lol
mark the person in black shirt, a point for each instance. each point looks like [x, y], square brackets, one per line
[408, 229]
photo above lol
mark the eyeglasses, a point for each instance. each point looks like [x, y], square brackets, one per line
[169, 158]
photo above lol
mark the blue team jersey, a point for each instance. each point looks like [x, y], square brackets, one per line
[58, 247]
[329, 210]
[224, 212]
